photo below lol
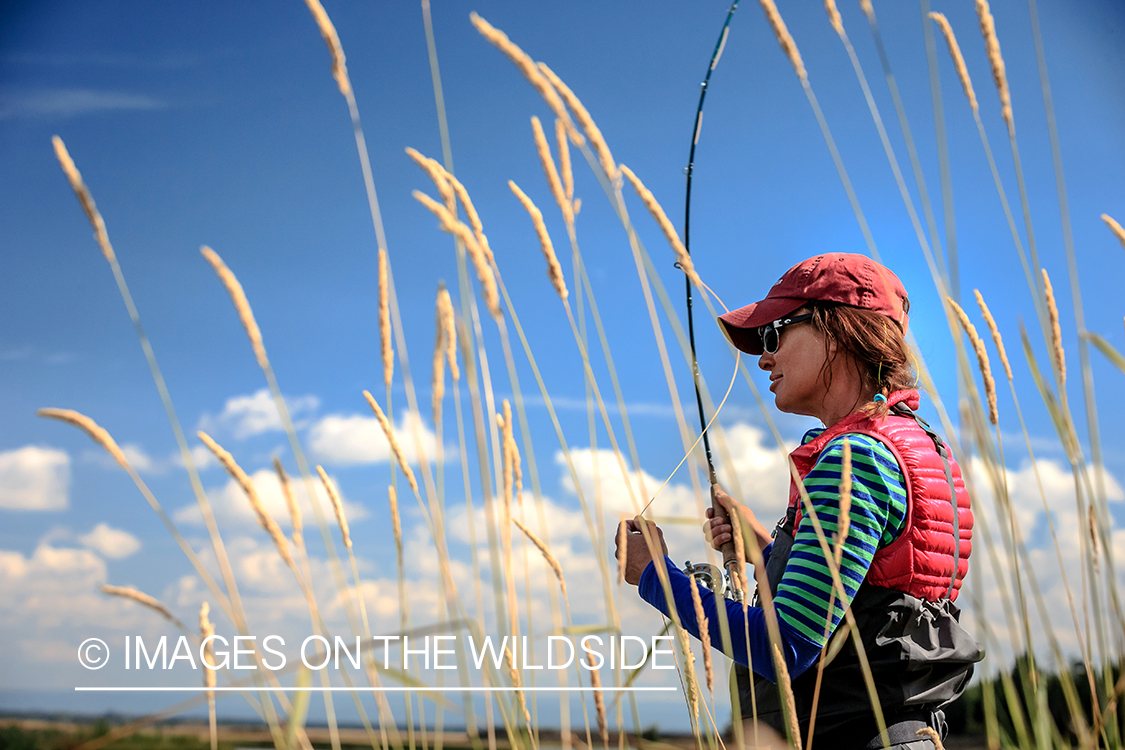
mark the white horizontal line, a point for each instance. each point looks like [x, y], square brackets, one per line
[373, 689]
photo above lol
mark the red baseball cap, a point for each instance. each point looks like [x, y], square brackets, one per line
[846, 278]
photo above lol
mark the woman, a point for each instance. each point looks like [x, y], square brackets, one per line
[831, 335]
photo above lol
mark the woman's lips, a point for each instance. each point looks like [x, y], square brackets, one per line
[773, 382]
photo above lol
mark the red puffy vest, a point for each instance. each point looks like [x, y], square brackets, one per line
[921, 561]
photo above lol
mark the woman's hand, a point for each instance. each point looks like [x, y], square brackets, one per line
[720, 531]
[636, 555]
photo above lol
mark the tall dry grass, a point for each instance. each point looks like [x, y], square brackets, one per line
[498, 481]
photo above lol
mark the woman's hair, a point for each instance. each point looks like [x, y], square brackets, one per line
[877, 347]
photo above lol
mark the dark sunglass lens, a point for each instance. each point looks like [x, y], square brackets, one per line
[770, 340]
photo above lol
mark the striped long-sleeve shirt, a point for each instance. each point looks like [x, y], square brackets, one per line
[877, 517]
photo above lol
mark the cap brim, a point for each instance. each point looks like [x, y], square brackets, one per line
[741, 325]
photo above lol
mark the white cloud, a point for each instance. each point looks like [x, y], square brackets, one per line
[992, 585]
[231, 506]
[200, 456]
[112, 543]
[358, 439]
[34, 478]
[71, 102]
[246, 416]
[53, 586]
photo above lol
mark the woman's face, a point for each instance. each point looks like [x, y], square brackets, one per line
[797, 370]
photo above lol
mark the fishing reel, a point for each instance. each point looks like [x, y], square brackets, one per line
[711, 576]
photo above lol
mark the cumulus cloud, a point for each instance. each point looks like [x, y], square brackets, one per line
[991, 590]
[358, 439]
[34, 478]
[254, 414]
[231, 506]
[112, 543]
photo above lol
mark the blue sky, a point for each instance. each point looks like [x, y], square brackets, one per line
[219, 124]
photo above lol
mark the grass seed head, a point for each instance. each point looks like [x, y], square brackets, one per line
[564, 164]
[704, 634]
[206, 630]
[958, 59]
[691, 685]
[84, 197]
[1056, 329]
[996, 60]
[396, 521]
[241, 304]
[665, 224]
[385, 350]
[1117, 229]
[599, 706]
[995, 331]
[392, 440]
[332, 39]
[554, 270]
[546, 552]
[982, 359]
[786, 686]
[437, 175]
[931, 734]
[337, 505]
[597, 140]
[530, 71]
[834, 16]
[437, 376]
[128, 592]
[290, 500]
[449, 326]
[480, 261]
[551, 172]
[784, 38]
[96, 432]
[243, 479]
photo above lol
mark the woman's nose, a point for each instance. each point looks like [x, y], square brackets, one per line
[765, 361]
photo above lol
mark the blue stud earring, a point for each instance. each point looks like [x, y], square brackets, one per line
[880, 398]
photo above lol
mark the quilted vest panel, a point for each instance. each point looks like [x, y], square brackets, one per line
[922, 560]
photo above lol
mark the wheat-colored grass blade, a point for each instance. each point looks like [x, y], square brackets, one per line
[558, 192]
[784, 38]
[241, 304]
[451, 225]
[392, 441]
[1116, 228]
[545, 551]
[793, 729]
[231, 601]
[564, 165]
[265, 520]
[386, 350]
[206, 630]
[337, 506]
[128, 592]
[332, 39]
[1056, 334]
[704, 636]
[554, 270]
[691, 685]
[834, 16]
[982, 359]
[1106, 348]
[958, 59]
[589, 127]
[995, 331]
[996, 61]
[290, 502]
[530, 71]
[599, 707]
[657, 211]
[84, 198]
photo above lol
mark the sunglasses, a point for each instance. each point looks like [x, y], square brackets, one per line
[771, 332]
